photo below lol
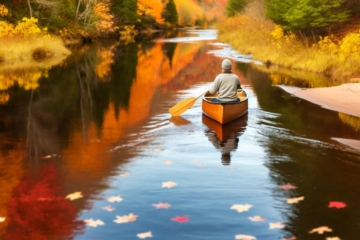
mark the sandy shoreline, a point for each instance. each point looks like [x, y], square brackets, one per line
[344, 98]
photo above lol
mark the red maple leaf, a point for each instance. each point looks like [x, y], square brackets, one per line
[337, 205]
[181, 219]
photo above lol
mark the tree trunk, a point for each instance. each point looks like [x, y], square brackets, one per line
[30, 9]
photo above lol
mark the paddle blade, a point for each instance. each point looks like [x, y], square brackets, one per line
[182, 106]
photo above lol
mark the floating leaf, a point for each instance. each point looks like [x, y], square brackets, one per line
[321, 230]
[126, 218]
[292, 238]
[168, 162]
[124, 174]
[257, 219]
[169, 184]
[241, 208]
[333, 238]
[2, 219]
[276, 225]
[46, 157]
[108, 208]
[245, 237]
[162, 205]
[295, 200]
[144, 235]
[181, 219]
[287, 186]
[337, 205]
[198, 163]
[91, 223]
[158, 149]
[74, 196]
[115, 199]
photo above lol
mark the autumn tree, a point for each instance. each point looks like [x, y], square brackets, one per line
[170, 13]
[306, 14]
[235, 6]
[125, 11]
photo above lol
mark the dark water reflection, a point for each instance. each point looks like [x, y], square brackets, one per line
[99, 124]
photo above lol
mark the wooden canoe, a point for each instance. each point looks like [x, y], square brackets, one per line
[225, 112]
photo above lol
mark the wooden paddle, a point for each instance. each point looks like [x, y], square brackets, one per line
[183, 105]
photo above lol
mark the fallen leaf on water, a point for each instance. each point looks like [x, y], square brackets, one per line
[181, 219]
[124, 174]
[292, 238]
[257, 219]
[191, 131]
[337, 205]
[91, 223]
[168, 162]
[295, 200]
[158, 149]
[245, 237]
[241, 208]
[74, 196]
[169, 184]
[46, 157]
[333, 238]
[161, 205]
[115, 199]
[144, 235]
[321, 230]
[126, 218]
[288, 186]
[2, 219]
[276, 225]
[108, 208]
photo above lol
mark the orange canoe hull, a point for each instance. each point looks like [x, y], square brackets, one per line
[225, 112]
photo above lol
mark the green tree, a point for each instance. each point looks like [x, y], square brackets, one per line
[306, 14]
[125, 11]
[170, 13]
[235, 6]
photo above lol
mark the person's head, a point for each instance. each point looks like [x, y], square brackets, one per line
[226, 65]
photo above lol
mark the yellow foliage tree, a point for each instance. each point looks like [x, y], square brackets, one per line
[102, 12]
[3, 10]
[25, 27]
[189, 12]
[152, 8]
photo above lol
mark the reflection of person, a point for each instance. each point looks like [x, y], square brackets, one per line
[225, 147]
[225, 84]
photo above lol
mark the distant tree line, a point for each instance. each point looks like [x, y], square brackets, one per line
[306, 16]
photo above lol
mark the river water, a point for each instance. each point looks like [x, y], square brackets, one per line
[88, 150]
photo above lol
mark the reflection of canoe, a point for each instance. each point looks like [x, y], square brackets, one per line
[225, 112]
[225, 137]
[224, 131]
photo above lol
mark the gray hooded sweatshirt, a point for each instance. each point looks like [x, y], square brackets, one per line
[226, 85]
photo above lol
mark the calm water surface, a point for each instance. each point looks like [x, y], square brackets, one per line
[98, 125]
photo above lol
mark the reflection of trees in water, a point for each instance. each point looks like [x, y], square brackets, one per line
[225, 138]
[296, 139]
[37, 211]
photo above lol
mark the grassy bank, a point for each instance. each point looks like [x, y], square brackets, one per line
[25, 51]
[252, 33]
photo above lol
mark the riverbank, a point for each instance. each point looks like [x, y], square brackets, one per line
[343, 98]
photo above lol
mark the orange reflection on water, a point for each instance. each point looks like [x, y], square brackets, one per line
[87, 155]
[11, 171]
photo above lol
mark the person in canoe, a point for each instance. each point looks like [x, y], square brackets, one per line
[225, 84]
